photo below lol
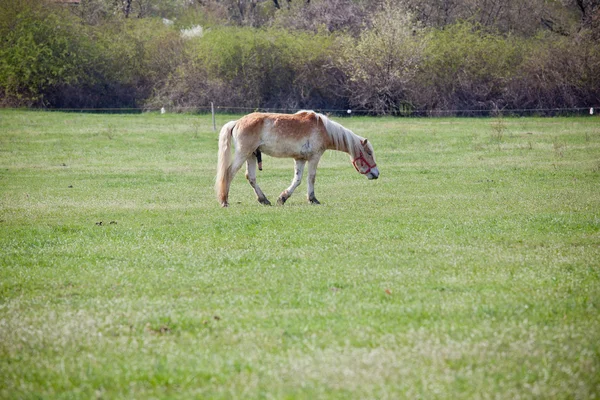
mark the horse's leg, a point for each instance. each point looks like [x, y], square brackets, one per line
[298, 170]
[251, 176]
[238, 160]
[312, 174]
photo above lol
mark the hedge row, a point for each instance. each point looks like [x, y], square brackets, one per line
[51, 58]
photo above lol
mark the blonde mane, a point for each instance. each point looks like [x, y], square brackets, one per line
[342, 138]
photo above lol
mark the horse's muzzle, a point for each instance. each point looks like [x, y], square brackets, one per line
[373, 173]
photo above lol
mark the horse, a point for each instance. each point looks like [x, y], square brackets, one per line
[303, 136]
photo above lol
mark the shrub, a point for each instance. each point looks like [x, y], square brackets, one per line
[467, 68]
[40, 49]
[382, 62]
[332, 16]
[251, 68]
[558, 72]
[377, 59]
[130, 59]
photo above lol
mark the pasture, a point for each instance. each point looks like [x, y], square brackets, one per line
[469, 269]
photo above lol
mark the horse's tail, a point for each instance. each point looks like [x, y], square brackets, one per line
[224, 163]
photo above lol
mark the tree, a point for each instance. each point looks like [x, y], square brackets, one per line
[330, 15]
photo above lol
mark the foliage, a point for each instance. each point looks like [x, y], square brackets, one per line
[253, 68]
[40, 49]
[130, 59]
[48, 58]
[382, 57]
[466, 67]
[558, 72]
[381, 63]
[346, 16]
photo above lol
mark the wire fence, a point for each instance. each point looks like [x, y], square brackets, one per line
[220, 109]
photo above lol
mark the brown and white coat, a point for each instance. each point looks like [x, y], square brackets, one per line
[303, 136]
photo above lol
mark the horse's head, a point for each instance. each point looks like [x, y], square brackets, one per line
[364, 162]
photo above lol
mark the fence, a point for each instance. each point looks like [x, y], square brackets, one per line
[220, 109]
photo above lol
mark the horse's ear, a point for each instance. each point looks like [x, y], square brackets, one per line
[364, 142]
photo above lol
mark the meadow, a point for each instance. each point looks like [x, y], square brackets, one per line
[469, 269]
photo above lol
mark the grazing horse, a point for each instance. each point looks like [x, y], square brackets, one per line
[303, 136]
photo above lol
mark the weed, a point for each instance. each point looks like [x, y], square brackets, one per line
[196, 127]
[110, 131]
[559, 148]
[499, 128]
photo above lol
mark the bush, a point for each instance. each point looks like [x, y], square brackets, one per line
[51, 57]
[250, 68]
[130, 58]
[381, 64]
[467, 68]
[557, 73]
[316, 16]
[40, 49]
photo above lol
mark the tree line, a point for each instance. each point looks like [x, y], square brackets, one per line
[381, 57]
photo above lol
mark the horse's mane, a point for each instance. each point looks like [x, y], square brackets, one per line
[343, 139]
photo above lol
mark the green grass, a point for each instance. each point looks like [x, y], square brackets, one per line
[470, 269]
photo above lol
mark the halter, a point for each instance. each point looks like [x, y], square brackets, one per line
[362, 158]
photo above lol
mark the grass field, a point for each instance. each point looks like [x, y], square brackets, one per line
[470, 269]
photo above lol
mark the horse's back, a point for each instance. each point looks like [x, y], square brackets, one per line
[293, 126]
[283, 135]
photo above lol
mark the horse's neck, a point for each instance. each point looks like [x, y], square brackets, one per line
[342, 139]
[347, 143]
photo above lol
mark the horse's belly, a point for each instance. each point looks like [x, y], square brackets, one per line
[294, 150]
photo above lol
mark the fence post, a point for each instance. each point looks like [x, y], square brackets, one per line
[212, 110]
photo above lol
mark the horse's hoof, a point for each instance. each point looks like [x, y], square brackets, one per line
[281, 201]
[224, 204]
[314, 201]
[264, 201]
